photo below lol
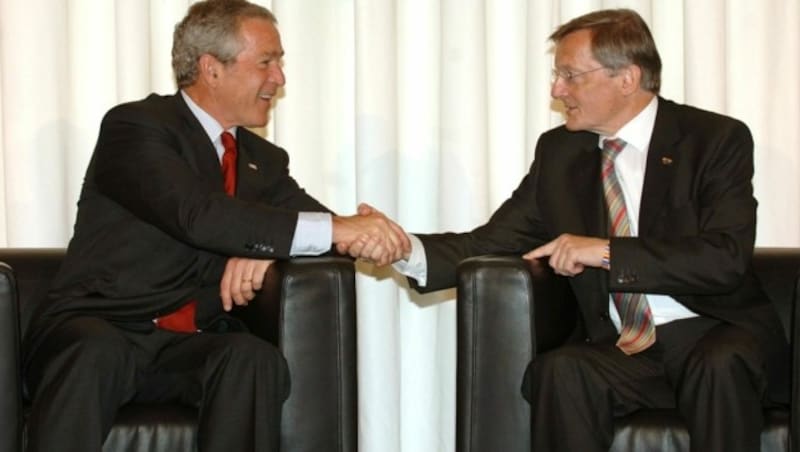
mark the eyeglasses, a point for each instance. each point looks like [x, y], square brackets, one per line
[569, 76]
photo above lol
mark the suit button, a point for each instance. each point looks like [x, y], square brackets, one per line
[588, 340]
[269, 249]
[604, 317]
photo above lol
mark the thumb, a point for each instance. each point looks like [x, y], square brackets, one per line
[365, 209]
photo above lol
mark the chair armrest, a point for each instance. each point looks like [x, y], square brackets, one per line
[10, 378]
[508, 309]
[308, 308]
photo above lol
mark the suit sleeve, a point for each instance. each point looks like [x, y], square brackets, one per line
[704, 240]
[513, 229]
[141, 163]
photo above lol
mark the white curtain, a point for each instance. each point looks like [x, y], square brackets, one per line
[427, 109]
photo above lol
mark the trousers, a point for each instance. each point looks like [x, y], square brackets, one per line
[711, 372]
[86, 368]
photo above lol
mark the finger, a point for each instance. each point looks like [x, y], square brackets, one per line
[390, 238]
[342, 247]
[357, 246]
[372, 250]
[246, 294]
[238, 277]
[260, 273]
[542, 251]
[403, 241]
[225, 285]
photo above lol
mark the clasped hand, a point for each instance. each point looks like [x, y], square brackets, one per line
[370, 235]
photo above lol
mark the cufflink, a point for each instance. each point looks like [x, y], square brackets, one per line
[666, 161]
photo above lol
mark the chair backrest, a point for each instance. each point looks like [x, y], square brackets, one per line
[777, 271]
[34, 270]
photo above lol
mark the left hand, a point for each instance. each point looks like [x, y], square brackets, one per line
[570, 254]
[241, 279]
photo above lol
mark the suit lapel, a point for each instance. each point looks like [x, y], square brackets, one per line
[587, 188]
[249, 173]
[201, 152]
[662, 159]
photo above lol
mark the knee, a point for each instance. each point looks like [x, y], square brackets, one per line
[81, 356]
[242, 349]
[712, 361]
[554, 369]
[246, 355]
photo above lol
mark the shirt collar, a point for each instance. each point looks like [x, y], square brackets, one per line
[210, 125]
[637, 131]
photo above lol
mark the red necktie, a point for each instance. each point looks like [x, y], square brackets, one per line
[182, 320]
[638, 330]
[229, 163]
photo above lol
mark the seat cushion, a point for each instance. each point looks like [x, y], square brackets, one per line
[144, 427]
[664, 430]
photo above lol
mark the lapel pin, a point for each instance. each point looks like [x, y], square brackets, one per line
[252, 166]
[666, 161]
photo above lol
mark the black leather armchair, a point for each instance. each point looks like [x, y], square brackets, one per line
[510, 310]
[307, 307]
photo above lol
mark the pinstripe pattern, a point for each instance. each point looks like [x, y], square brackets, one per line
[638, 330]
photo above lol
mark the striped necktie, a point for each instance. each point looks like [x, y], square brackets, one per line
[638, 330]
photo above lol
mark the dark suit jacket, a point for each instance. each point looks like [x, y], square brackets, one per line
[696, 226]
[154, 226]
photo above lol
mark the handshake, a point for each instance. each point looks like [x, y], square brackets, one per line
[371, 236]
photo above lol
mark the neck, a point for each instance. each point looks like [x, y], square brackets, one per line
[205, 99]
[633, 105]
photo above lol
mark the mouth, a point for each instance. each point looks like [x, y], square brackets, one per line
[265, 96]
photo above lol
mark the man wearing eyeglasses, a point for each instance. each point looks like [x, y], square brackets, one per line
[647, 206]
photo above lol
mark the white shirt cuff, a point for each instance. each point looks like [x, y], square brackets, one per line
[312, 235]
[417, 264]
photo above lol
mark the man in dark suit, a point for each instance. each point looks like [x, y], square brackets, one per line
[181, 213]
[667, 213]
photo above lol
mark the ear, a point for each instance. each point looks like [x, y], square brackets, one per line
[209, 69]
[631, 77]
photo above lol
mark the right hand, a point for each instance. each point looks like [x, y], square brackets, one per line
[370, 235]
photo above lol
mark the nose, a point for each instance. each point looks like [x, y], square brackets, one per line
[276, 75]
[558, 88]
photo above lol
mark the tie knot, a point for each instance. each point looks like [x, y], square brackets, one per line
[228, 141]
[612, 147]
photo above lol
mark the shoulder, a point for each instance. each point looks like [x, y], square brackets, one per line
[155, 107]
[694, 120]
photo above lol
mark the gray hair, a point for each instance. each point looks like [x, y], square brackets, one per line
[620, 37]
[212, 27]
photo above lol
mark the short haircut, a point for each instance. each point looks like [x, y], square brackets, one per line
[210, 27]
[620, 37]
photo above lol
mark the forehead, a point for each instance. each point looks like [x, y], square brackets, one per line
[575, 49]
[261, 36]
